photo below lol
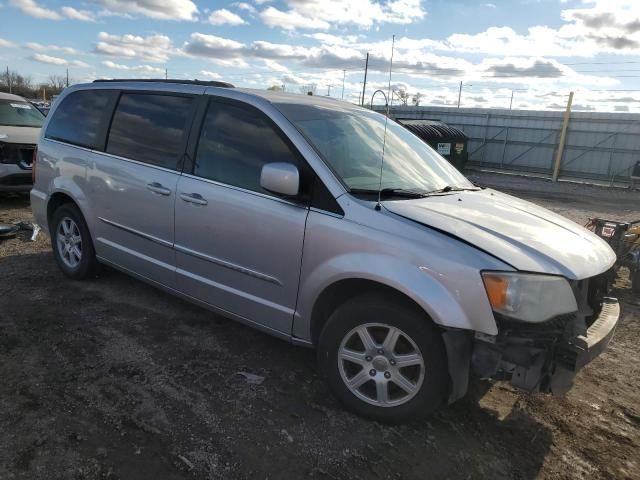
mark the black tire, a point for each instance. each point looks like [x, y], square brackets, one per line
[635, 282]
[88, 265]
[377, 309]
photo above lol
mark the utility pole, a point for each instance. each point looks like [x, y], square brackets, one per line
[328, 90]
[459, 93]
[344, 74]
[67, 78]
[8, 79]
[511, 102]
[166, 74]
[364, 86]
[563, 136]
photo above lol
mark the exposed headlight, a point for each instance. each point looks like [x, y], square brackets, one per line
[529, 297]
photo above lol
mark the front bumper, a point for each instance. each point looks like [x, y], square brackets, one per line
[584, 348]
[15, 178]
[544, 357]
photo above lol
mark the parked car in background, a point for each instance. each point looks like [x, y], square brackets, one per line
[20, 124]
[275, 210]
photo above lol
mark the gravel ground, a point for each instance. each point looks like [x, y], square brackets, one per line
[114, 379]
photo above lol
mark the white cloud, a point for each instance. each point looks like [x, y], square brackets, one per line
[6, 43]
[75, 14]
[33, 9]
[42, 58]
[225, 17]
[154, 48]
[39, 47]
[291, 20]
[275, 66]
[602, 26]
[210, 75]
[157, 9]
[245, 6]
[322, 14]
[136, 68]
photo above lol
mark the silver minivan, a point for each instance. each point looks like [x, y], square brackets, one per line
[327, 225]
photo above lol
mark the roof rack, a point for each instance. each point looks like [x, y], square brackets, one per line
[205, 83]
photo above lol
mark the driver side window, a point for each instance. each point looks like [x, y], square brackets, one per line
[235, 143]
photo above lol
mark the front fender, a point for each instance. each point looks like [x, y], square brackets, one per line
[431, 290]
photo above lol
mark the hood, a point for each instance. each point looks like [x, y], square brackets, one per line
[524, 235]
[19, 134]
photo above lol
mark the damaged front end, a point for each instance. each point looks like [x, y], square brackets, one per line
[544, 357]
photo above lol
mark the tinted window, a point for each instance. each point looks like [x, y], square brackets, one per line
[234, 145]
[18, 113]
[150, 128]
[79, 118]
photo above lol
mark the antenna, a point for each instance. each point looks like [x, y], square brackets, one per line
[386, 120]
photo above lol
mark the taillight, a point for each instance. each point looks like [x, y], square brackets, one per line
[33, 164]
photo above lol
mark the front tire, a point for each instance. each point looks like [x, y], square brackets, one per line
[72, 244]
[384, 359]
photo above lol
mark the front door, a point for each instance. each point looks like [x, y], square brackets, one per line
[134, 183]
[239, 247]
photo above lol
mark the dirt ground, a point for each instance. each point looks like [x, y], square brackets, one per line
[113, 379]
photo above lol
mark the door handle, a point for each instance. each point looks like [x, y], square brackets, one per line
[156, 187]
[194, 198]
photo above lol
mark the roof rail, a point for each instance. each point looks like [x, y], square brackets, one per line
[205, 83]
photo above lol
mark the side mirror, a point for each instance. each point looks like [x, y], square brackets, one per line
[280, 177]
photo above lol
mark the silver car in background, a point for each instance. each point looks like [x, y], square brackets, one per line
[20, 124]
[275, 210]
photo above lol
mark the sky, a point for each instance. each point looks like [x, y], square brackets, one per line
[536, 50]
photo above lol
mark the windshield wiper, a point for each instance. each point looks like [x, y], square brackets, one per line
[450, 188]
[390, 192]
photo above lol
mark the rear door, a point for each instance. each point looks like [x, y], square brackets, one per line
[238, 246]
[133, 182]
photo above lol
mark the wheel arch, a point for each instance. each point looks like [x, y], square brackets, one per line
[343, 290]
[56, 200]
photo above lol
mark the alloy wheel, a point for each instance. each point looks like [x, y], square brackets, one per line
[381, 364]
[69, 242]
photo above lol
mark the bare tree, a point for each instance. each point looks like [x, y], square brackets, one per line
[417, 98]
[56, 83]
[275, 88]
[403, 96]
[17, 83]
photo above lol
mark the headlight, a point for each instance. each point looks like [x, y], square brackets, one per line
[529, 297]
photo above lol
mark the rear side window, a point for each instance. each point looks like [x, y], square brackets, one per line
[235, 143]
[80, 118]
[150, 128]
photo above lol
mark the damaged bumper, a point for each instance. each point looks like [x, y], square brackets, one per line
[544, 357]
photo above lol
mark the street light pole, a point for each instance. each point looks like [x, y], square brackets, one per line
[344, 74]
[511, 102]
[459, 93]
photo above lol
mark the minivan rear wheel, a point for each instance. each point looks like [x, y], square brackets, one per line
[71, 243]
[384, 359]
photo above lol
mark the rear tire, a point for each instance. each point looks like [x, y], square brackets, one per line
[366, 374]
[72, 244]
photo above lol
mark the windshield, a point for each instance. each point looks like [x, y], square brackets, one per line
[18, 113]
[350, 141]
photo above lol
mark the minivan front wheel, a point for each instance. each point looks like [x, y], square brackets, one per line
[71, 243]
[384, 359]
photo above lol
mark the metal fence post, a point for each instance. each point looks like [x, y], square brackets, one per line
[563, 137]
[504, 147]
[484, 138]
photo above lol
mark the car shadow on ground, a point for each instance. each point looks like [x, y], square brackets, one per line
[112, 376]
